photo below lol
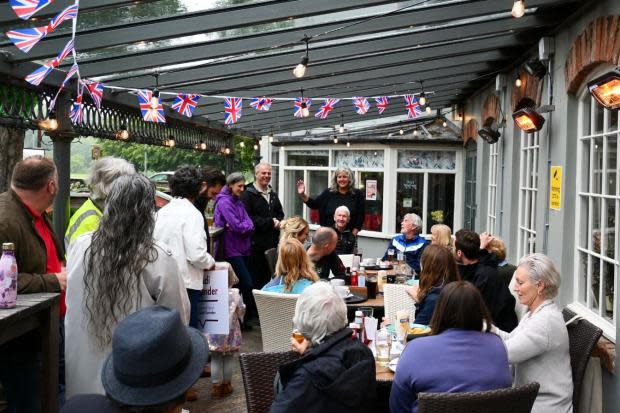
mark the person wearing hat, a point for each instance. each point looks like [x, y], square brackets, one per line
[135, 375]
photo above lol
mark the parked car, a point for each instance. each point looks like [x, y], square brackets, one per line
[161, 180]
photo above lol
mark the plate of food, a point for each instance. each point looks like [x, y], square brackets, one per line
[418, 330]
[392, 364]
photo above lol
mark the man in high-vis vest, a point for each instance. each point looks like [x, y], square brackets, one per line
[87, 217]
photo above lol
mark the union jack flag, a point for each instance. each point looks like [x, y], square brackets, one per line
[26, 8]
[70, 12]
[76, 114]
[297, 112]
[70, 73]
[327, 107]
[263, 104]
[26, 39]
[413, 107]
[185, 104]
[361, 105]
[150, 113]
[382, 103]
[232, 110]
[95, 90]
[36, 77]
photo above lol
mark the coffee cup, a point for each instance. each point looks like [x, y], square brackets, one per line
[368, 262]
[342, 290]
[336, 282]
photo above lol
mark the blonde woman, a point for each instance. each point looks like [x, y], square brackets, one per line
[441, 235]
[294, 271]
[294, 227]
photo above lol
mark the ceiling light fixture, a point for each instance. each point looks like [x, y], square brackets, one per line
[300, 69]
[518, 9]
[606, 89]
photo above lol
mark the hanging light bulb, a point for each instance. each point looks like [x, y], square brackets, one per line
[50, 123]
[255, 146]
[271, 138]
[300, 69]
[444, 124]
[203, 146]
[341, 128]
[422, 99]
[335, 139]
[155, 99]
[415, 132]
[227, 151]
[171, 142]
[428, 109]
[123, 133]
[518, 81]
[348, 144]
[401, 131]
[242, 144]
[518, 9]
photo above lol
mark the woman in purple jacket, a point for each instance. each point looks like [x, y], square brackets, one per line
[231, 215]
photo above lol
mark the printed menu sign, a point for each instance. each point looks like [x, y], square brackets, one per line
[213, 304]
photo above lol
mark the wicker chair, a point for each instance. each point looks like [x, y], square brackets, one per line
[582, 337]
[271, 255]
[275, 312]
[396, 298]
[510, 400]
[258, 371]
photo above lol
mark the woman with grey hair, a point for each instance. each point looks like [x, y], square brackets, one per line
[341, 192]
[231, 215]
[104, 173]
[538, 347]
[113, 272]
[334, 373]
[347, 242]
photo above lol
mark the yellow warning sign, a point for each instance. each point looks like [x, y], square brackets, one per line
[555, 195]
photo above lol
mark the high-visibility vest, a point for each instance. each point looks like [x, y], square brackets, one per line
[86, 219]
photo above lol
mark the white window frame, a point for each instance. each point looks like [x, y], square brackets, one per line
[595, 316]
[529, 178]
[492, 210]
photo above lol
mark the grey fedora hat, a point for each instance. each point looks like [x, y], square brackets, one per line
[155, 358]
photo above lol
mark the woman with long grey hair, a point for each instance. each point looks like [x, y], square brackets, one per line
[113, 272]
[341, 192]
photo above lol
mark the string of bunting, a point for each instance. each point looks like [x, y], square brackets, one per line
[149, 101]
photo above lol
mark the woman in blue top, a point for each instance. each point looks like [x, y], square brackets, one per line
[461, 355]
[294, 271]
[438, 269]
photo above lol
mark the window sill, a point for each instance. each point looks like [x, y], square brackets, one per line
[609, 330]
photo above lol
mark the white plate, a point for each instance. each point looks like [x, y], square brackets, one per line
[392, 364]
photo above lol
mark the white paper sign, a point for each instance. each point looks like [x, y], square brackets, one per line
[213, 304]
[407, 202]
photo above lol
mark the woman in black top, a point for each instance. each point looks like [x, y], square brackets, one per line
[341, 192]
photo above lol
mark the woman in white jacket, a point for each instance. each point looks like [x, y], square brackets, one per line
[538, 347]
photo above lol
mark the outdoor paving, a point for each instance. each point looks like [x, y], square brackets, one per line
[236, 401]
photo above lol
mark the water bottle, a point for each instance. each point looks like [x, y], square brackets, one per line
[8, 276]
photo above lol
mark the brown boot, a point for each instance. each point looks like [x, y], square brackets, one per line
[218, 390]
[227, 388]
[206, 371]
[191, 395]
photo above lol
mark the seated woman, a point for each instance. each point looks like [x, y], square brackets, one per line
[461, 355]
[538, 347]
[347, 242]
[294, 227]
[294, 271]
[334, 372]
[438, 269]
[441, 235]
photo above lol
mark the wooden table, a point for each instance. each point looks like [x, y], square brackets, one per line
[40, 313]
[385, 377]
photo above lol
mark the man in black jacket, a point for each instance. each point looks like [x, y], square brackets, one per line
[480, 268]
[264, 208]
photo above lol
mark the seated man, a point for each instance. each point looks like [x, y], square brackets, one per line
[322, 254]
[347, 242]
[135, 375]
[409, 242]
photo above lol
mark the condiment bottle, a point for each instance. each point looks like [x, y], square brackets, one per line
[8, 276]
[354, 277]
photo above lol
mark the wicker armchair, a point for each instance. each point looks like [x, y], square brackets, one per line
[275, 312]
[258, 371]
[510, 400]
[271, 255]
[582, 337]
[396, 298]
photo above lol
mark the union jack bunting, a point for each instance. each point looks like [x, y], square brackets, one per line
[232, 110]
[70, 12]
[36, 77]
[297, 112]
[95, 90]
[382, 103]
[26, 39]
[150, 113]
[413, 107]
[76, 114]
[263, 104]
[327, 107]
[185, 104]
[70, 73]
[361, 105]
[26, 8]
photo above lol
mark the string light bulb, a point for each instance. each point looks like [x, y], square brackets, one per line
[335, 139]
[428, 109]
[348, 144]
[255, 146]
[305, 112]
[226, 150]
[341, 128]
[518, 9]
[401, 131]
[422, 98]
[518, 81]
[170, 142]
[123, 133]
[415, 132]
[50, 123]
[444, 124]
[155, 99]
[300, 69]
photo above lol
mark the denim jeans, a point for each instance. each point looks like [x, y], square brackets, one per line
[194, 298]
[240, 265]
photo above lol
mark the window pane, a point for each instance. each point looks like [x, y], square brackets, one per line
[313, 157]
[275, 173]
[359, 159]
[409, 196]
[610, 230]
[317, 182]
[584, 179]
[595, 230]
[293, 204]
[598, 118]
[371, 185]
[440, 200]
[597, 166]
[583, 276]
[583, 241]
[595, 283]
[427, 160]
[612, 149]
[608, 276]
[587, 102]
[275, 155]
[612, 121]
